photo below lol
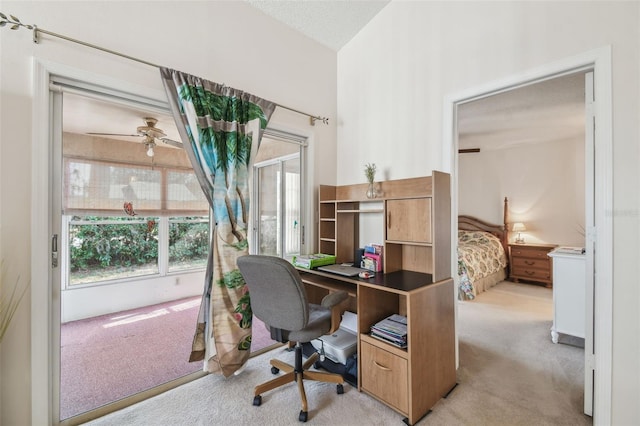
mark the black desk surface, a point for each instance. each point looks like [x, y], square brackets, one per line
[399, 280]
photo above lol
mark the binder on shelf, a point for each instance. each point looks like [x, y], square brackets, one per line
[310, 261]
[373, 248]
[373, 262]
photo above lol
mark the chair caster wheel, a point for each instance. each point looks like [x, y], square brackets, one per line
[275, 370]
[257, 400]
[303, 416]
[340, 389]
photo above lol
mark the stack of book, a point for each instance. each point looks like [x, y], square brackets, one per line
[392, 329]
[570, 250]
[372, 259]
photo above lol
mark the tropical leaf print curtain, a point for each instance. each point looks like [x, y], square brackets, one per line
[221, 129]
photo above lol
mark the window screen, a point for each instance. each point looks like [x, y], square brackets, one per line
[93, 187]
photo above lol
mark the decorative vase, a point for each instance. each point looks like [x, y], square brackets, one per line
[371, 191]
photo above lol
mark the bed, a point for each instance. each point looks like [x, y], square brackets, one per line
[482, 254]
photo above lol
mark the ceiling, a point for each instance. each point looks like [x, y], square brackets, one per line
[551, 110]
[84, 115]
[329, 22]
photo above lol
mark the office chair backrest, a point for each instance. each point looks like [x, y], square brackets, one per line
[277, 293]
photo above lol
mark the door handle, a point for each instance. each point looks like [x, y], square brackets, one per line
[54, 251]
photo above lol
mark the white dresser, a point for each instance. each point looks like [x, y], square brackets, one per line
[569, 294]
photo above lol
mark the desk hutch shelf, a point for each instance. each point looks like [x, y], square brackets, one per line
[417, 222]
[416, 283]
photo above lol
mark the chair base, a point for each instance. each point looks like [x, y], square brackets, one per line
[297, 373]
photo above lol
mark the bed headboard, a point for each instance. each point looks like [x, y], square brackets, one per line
[470, 223]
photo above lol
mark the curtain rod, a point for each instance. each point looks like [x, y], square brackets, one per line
[15, 24]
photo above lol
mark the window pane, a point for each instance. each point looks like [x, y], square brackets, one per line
[292, 208]
[269, 225]
[184, 192]
[91, 185]
[110, 248]
[188, 242]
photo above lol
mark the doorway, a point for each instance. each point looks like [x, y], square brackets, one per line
[528, 144]
[598, 166]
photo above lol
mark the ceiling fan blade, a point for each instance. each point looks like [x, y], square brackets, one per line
[172, 142]
[112, 134]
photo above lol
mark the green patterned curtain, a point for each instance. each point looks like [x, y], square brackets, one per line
[221, 128]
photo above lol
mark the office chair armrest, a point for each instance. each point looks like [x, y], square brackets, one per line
[334, 298]
[334, 301]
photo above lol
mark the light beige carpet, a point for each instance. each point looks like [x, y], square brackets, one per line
[510, 374]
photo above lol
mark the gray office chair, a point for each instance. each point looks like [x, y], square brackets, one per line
[279, 299]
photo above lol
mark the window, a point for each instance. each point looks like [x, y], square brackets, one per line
[111, 248]
[278, 202]
[188, 243]
[132, 220]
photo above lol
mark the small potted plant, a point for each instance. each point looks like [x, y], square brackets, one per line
[370, 173]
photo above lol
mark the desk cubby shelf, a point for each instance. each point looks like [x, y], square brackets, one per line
[416, 283]
[416, 219]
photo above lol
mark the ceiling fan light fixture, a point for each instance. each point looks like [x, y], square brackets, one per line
[150, 145]
[150, 130]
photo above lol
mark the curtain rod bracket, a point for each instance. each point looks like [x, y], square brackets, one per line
[36, 38]
[312, 120]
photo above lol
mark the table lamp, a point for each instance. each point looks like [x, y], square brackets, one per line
[519, 227]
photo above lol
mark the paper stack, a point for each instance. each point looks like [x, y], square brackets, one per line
[310, 261]
[570, 250]
[392, 329]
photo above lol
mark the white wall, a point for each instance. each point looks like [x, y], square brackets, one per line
[394, 75]
[544, 183]
[226, 42]
[90, 301]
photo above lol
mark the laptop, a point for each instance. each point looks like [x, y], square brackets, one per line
[347, 271]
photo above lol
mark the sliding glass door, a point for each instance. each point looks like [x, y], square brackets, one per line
[132, 236]
[278, 206]
[130, 230]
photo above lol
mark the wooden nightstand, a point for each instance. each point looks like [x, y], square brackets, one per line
[529, 262]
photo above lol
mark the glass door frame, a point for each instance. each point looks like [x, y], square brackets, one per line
[255, 192]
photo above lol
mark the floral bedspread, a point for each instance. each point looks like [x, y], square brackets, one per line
[479, 254]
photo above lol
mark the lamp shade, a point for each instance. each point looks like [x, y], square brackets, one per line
[518, 227]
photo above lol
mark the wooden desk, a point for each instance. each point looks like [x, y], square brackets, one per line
[410, 380]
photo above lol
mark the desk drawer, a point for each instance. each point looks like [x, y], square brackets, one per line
[384, 375]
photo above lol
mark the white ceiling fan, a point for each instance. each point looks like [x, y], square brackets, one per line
[150, 133]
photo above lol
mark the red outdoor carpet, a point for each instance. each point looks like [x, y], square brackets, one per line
[106, 358]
